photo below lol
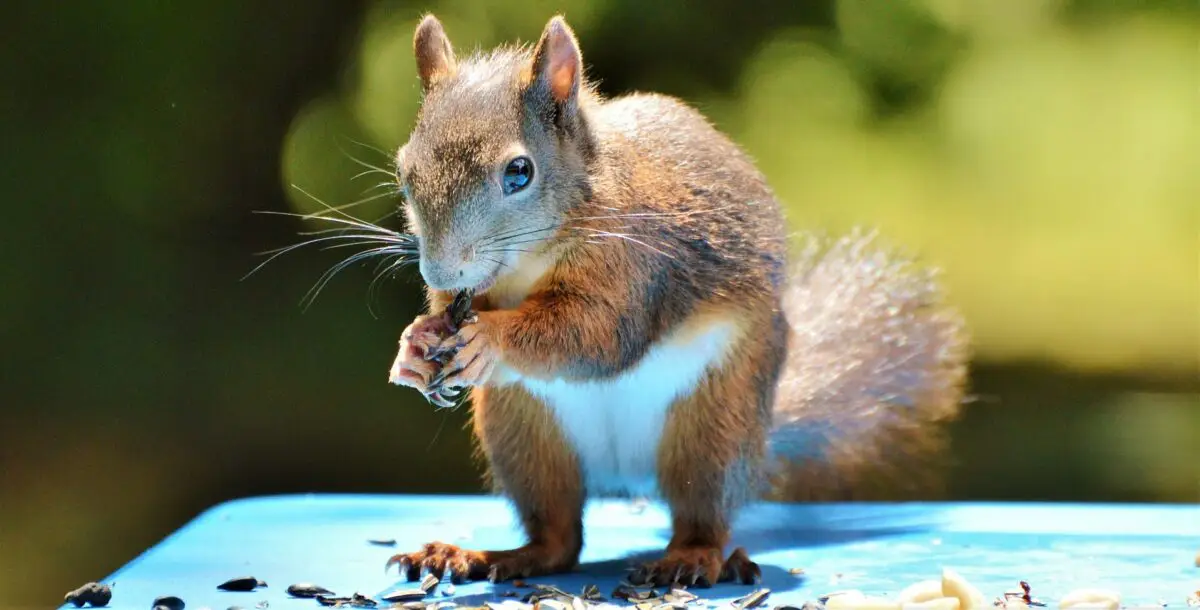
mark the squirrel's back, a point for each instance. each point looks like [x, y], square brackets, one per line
[693, 202]
[876, 360]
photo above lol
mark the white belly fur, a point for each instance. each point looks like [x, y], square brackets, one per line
[615, 425]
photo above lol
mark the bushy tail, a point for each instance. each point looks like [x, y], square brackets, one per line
[876, 365]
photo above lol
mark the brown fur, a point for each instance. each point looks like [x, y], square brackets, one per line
[642, 222]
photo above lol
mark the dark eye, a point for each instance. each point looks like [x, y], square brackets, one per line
[517, 175]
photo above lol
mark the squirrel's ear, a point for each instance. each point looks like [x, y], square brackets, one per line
[435, 57]
[557, 63]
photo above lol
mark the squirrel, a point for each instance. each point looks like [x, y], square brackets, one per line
[641, 325]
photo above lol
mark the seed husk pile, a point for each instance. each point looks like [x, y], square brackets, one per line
[242, 583]
[93, 593]
[753, 600]
[354, 601]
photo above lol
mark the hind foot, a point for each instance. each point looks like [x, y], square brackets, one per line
[463, 565]
[698, 567]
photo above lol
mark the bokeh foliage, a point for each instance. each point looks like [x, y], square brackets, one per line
[1043, 153]
[1047, 161]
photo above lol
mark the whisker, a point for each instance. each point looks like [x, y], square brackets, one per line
[394, 263]
[630, 238]
[498, 262]
[329, 274]
[344, 206]
[329, 207]
[510, 234]
[369, 147]
[494, 250]
[367, 242]
[654, 214]
[276, 253]
[368, 172]
[354, 222]
[364, 163]
[366, 239]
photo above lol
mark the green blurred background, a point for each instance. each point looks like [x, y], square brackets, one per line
[1044, 153]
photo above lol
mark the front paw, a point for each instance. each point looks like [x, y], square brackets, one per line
[414, 365]
[472, 357]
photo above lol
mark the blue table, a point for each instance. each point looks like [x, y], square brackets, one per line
[1145, 552]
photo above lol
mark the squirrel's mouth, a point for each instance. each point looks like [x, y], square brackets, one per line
[488, 282]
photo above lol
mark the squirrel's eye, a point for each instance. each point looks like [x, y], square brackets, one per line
[517, 175]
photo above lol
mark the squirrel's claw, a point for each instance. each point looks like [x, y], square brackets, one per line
[437, 399]
[740, 569]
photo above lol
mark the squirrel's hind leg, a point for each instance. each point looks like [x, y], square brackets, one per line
[710, 463]
[522, 443]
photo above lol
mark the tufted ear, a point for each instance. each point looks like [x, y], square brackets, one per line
[435, 57]
[557, 63]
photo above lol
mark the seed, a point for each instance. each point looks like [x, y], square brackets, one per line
[922, 591]
[430, 583]
[413, 605]
[680, 595]
[170, 602]
[92, 593]
[954, 585]
[518, 583]
[355, 601]
[591, 593]
[382, 541]
[796, 571]
[358, 600]
[308, 590]
[460, 309]
[753, 600]
[243, 583]
[405, 595]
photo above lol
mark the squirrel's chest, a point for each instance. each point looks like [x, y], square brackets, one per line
[615, 425]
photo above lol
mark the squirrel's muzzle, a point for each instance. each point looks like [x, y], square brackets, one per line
[442, 272]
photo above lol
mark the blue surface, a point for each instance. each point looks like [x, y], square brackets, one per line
[1145, 552]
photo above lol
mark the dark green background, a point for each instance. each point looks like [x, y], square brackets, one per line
[143, 382]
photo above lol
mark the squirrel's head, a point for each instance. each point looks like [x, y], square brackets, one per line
[498, 155]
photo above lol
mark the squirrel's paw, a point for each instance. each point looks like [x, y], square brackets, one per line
[414, 365]
[438, 558]
[688, 566]
[473, 361]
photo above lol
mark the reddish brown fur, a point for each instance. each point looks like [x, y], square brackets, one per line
[660, 224]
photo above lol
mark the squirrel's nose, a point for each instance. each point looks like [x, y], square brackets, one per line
[440, 272]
